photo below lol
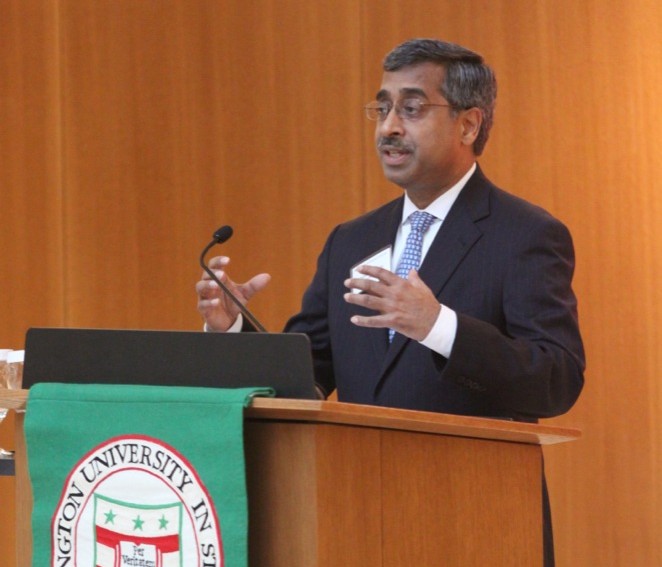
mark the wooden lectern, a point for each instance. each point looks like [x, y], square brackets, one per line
[333, 484]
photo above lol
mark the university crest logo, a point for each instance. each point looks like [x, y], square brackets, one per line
[134, 501]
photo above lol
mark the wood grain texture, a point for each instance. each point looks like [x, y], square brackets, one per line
[31, 258]
[131, 130]
[280, 466]
[324, 412]
[177, 124]
[436, 491]
[31, 253]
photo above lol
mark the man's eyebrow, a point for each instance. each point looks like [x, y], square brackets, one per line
[406, 91]
[413, 91]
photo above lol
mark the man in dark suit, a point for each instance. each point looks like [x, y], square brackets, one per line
[472, 315]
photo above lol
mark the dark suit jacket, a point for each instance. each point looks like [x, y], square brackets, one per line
[505, 266]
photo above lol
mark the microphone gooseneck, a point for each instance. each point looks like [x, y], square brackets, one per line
[220, 236]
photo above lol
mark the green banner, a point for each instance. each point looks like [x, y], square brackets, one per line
[137, 476]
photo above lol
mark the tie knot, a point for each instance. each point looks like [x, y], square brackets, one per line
[420, 221]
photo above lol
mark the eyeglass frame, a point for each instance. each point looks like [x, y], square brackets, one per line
[372, 112]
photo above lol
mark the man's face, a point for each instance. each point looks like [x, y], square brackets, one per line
[426, 155]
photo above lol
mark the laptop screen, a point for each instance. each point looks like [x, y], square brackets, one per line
[174, 358]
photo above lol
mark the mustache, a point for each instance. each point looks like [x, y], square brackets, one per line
[393, 143]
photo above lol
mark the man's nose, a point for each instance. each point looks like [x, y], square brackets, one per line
[392, 124]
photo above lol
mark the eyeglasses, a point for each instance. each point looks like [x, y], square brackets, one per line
[407, 109]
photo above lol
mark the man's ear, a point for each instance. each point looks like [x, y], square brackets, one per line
[470, 121]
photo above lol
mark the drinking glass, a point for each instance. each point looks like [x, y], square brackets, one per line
[4, 383]
[15, 369]
[4, 375]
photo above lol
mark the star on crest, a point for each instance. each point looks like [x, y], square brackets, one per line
[138, 523]
[110, 517]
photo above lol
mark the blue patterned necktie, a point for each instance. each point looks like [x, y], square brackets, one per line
[411, 256]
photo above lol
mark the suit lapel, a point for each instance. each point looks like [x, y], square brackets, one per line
[384, 225]
[455, 238]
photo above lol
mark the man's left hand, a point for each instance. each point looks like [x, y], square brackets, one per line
[407, 306]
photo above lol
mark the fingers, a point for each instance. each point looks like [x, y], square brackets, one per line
[414, 279]
[407, 306]
[218, 310]
[218, 262]
[255, 285]
[374, 278]
[379, 292]
[380, 283]
[379, 273]
[208, 291]
[209, 298]
[386, 310]
[217, 266]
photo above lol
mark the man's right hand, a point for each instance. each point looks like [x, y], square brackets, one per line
[218, 310]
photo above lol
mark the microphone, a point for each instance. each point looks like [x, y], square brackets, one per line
[220, 236]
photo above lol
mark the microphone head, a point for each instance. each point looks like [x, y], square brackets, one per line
[222, 234]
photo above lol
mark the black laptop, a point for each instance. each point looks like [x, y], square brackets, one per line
[174, 358]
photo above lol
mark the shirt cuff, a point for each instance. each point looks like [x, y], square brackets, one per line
[442, 335]
[234, 328]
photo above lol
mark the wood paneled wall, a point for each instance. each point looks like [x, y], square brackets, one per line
[131, 129]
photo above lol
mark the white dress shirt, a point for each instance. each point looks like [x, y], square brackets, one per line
[442, 335]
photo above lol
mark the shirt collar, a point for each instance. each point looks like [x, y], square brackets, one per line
[442, 204]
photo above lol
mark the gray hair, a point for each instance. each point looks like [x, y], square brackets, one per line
[468, 81]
